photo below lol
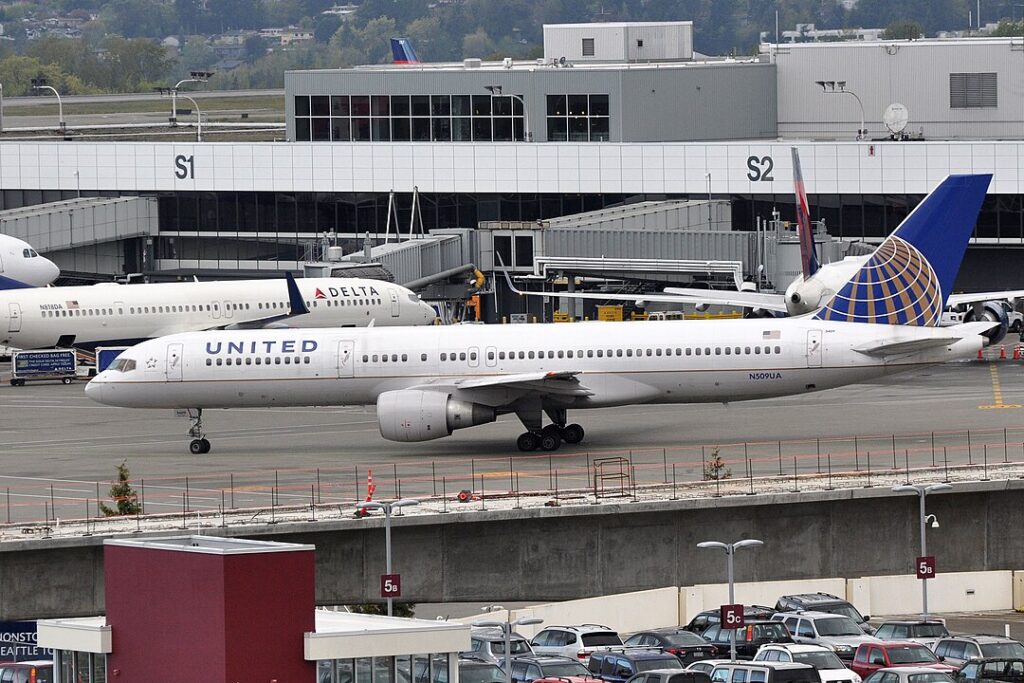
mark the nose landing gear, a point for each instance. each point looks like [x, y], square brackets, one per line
[199, 443]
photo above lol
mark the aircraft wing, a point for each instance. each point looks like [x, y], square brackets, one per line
[771, 302]
[974, 297]
[496, 390]
[900, 345]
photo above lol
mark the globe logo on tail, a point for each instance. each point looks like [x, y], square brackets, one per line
[897, 286]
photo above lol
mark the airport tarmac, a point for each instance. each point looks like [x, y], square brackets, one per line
[54, 435]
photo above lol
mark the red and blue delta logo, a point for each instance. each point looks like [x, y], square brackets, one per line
[345, 292]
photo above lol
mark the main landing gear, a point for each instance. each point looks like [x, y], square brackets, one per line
[199, 443]
[547, 438]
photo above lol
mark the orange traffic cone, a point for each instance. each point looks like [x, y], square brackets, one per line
[1002, 352]
[1016, 352]
[981, 356]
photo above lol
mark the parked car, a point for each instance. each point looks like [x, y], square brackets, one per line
[709, 617]
[670, 676]
[764, 672]
[40, 671]
[957, 650]
[840, 634]
[688, 647]
[531, 668]
[574, 641]
[706, 665]
[882, 655]
[909, 674]
[829, 666]
[823, 602]
[478, 671]
[488, 644]
[990, 670]
[617, 667]
[749, 638]
[926, 633]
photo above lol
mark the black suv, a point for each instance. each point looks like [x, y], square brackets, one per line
[749, 638]
[823, 602]
[1004, 669]
[958, 650]
[709, 617]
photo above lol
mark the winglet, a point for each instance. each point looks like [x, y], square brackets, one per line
[808, 257]
[295, 300]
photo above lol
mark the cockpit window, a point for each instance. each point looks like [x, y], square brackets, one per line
[29, 253]
[123, 365]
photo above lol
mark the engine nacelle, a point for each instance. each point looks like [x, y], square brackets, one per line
[993, 311]
[414, 415]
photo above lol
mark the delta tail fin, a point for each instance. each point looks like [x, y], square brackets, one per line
[808, 257]
[907, 280]
[401, 50]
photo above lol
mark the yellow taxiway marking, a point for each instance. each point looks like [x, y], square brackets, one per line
[997, 392]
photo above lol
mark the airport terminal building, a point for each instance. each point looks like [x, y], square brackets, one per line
[612, 114]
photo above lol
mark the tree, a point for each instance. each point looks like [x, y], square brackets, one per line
[903, 30]
[398, 609]
[477, 44]
[255, 47]
[123, 495]
[325, 26]
[1009, 29]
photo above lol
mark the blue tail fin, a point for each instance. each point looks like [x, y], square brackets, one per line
[401, 50]
[808, 259]
[908, 278]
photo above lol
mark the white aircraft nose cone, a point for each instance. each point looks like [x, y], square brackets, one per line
[95, 390]
[52, 270]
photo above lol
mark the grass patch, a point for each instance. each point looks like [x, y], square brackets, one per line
[262, 103]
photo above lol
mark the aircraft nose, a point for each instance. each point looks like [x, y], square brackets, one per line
[96, 389]
[429, 314]
[52, 271]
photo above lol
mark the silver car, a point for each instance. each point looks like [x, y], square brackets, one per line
[488, 645]
[840, 634]
[908, 674]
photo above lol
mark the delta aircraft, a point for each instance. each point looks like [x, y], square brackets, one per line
[113, 314]
[428, 382]
[21, 266]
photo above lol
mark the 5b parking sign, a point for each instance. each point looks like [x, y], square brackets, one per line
[926, 567]
[390, 585]
[731, 616]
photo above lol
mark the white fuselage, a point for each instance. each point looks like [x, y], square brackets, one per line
[619, 363]
[125, 314]
[22, 266]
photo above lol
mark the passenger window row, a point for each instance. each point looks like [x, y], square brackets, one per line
[336, 303]
[260, 360]
[78, 312]
[453, 356]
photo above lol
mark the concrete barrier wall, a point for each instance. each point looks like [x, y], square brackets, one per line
[625, 612]
[695, 599]
[952, 592]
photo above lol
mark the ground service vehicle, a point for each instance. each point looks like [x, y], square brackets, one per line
[59, 364]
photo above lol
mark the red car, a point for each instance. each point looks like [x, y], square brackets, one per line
[873, 656]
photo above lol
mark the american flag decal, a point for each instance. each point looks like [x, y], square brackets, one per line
[771, 334]
[71, 305]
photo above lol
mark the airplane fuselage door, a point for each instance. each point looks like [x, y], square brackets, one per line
[345, 359]
[174, 362]
[396, 307]
[15, 324]
[814, 348]
[1, 263]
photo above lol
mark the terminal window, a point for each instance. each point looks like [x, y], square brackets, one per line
[577, 118]
[407, 118]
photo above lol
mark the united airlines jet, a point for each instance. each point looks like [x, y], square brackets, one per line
[85, 317]
[21, 266]
[428, 382]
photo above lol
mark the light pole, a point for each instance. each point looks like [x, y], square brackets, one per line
[387, 508]
[730, 550]
[199, 118]
[194, 77]
[39, 83]
[708, 174]
[922, 490]
[839, 88]
[506, 631]
[496, 90]
[1, 107]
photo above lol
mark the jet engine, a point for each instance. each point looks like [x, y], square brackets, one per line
[415, 415]
[992, 311]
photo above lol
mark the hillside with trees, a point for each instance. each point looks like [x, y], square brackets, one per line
[85, 46]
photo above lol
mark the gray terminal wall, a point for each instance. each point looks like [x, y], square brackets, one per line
[677, 103]
[913, 73]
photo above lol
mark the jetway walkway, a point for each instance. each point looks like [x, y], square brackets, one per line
[85, 221]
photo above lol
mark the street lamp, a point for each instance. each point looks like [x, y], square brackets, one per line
[39, 83]
[387, 508]
[730, 550]
[839, 88]
[199, 118]
[923, 490]
[496, 90]
[194, 77]
[506, 631]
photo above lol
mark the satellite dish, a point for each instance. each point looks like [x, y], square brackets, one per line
[895, 118]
